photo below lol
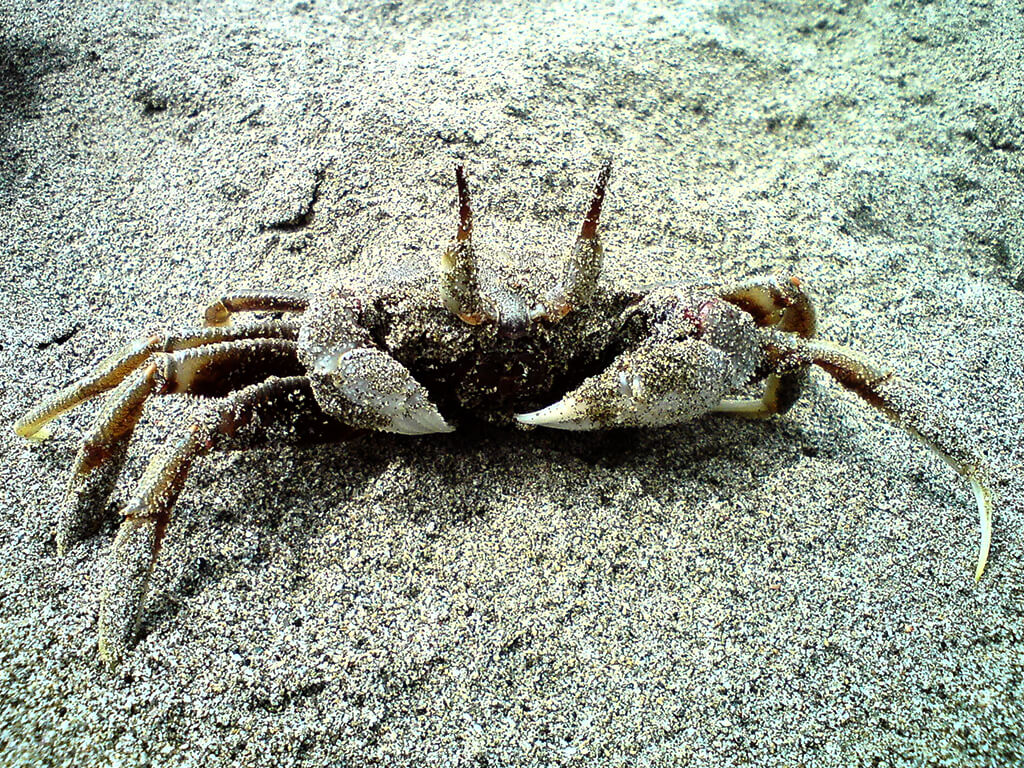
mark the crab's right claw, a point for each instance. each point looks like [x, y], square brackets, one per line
[657, 384]
[368, 389]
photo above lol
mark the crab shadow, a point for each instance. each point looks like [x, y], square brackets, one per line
[283, 499]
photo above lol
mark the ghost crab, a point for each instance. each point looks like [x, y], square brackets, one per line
[359, 355]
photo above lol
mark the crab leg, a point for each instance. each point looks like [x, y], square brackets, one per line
[100, 458]
[219, 312]
[787, 307]
[114, 369]
[206, 371]
[664, 382]
[784, 306]
[460, 286]
[780, 393]
[907, 407]
[147, 514]
[579, 280]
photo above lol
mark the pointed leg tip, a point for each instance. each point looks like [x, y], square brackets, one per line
[111, 653]
[67, 537]
[118, 620]
[983, 554]
[30, 433]
[982, 557]
[129, 566]
[63, 545]
[118, 625]
[984, 498]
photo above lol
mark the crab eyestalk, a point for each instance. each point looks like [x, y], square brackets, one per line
[583, 268]
[460, 286]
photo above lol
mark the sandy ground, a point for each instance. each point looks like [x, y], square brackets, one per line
[795, 592]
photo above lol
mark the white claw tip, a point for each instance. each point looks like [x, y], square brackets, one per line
[567, 413]
[418, 421]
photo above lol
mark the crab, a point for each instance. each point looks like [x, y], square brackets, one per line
[418, 358]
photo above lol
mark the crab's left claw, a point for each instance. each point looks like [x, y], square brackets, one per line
[659, 383]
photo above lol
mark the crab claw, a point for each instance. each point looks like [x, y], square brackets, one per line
[568, 413]
[369, 389]
[659, 383]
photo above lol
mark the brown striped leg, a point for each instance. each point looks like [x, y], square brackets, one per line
[908, 407]
[286, 402]
[211, 371]
[219, 312]
[115, 368]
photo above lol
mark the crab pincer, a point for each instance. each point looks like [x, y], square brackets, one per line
[701, 347]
